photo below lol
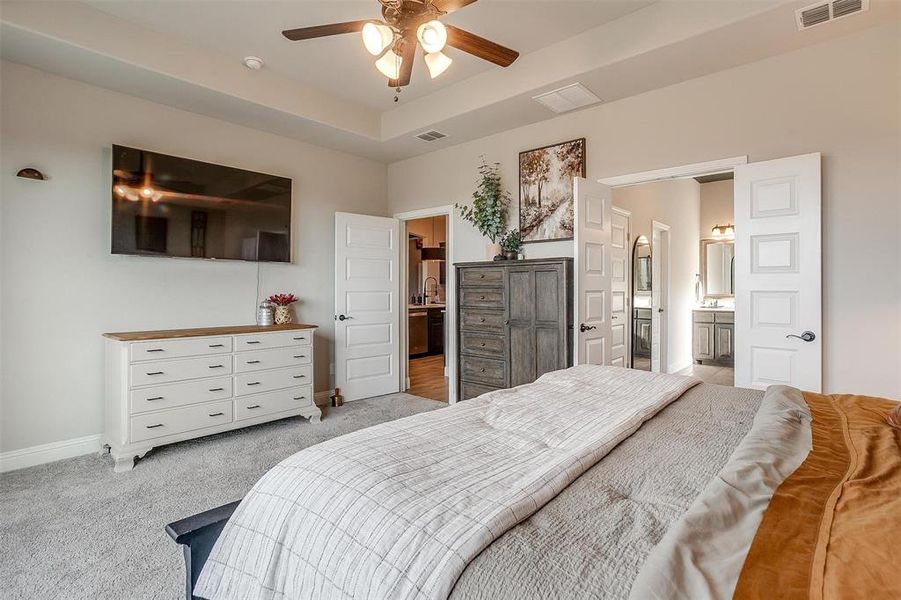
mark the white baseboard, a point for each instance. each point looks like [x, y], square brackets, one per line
[38, 455]
[676, 367]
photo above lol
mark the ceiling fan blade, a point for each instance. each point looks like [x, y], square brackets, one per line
[408, 54]
[450, 6]
[306, 33]
[479, 46]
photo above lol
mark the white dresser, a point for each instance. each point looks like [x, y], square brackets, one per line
[169, 386]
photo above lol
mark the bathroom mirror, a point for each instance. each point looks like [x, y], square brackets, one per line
[642, 264]
[718, 268]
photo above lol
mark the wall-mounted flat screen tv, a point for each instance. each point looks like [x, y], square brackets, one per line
[170, 206]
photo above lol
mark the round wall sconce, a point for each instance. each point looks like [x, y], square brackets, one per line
[29, 173]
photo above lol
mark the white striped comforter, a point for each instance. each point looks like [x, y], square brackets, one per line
[398, 510]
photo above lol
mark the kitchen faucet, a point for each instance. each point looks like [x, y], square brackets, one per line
[425, 289]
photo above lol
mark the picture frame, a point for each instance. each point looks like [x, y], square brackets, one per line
[546, 192]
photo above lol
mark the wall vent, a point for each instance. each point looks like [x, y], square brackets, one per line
[567, 98]
[431, 135]
[823, 12]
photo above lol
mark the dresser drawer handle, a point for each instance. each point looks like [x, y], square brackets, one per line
[155, 373]
[217, 345]
[253, 407]
[299, 397]
[299, 376]
[216, 366]
[481, 297]
[216, 389]
[254, 383]
[155, 350]
[154, 398]
[253, 362]
[481, 276]
[482, 320]
[482, 344]
[300, 356]
[482, 370]
[297, 339]
[219, 414]
[253, 342]
[154, 426]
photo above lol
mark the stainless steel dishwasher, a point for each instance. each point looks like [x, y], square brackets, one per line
[419, 332]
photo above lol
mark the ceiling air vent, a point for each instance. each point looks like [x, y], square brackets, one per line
[567, 98]
[817, 14]
[431, 136]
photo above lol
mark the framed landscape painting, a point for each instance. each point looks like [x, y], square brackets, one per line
[546, 190]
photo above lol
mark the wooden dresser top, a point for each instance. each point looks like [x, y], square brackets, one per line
[165, 334]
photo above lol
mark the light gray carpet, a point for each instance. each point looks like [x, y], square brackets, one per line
[74, 529]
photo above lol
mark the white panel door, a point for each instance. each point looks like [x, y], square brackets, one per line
[778, 303]
[592, 219]
[659, 295]
[367, 313]
[620, 245]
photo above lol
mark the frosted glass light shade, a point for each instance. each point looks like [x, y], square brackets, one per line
[376, 37]
[437, 62]
[389, 64]
[432, 36]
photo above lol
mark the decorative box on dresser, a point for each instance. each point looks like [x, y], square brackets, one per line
[514, 322]
[169, 386]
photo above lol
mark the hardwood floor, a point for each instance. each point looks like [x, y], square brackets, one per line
[427, 378]
[711, 374]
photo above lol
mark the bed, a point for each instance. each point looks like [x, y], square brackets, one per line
[593, 536]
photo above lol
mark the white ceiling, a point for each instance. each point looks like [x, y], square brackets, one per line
[339, 65]
[188, 54]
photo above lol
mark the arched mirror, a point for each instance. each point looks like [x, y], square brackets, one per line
[641, 304]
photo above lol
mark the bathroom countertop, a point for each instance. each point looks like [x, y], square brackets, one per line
[419, 306]
[714, 309]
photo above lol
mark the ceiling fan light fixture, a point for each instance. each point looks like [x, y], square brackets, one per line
[432, 36]
[437, 62]
[389, 64]
[376, 37]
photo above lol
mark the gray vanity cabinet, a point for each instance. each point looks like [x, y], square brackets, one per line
[713, 337]
[514, 322]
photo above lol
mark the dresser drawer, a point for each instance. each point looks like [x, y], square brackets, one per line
[481, 319]
[179, 394]
[248, 407]
[264, 381]
[482, 297]
[246, 362]
[487, 344]
[484, 276]
[164, 371]
[280, 339]
[483, 370]
[179, 420]
[474, 390]
[162, 349]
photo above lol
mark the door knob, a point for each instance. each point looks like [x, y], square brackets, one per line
[583, 327]
[807, 336]
[659, 310]
[343, 317]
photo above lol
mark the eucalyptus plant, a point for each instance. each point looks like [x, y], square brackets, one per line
[488, 212]
[511, 241]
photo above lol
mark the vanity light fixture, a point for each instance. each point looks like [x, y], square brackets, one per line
[724, 231]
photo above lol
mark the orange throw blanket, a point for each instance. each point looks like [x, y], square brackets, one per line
[833, 528]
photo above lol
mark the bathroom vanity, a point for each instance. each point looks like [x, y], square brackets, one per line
[713, 335]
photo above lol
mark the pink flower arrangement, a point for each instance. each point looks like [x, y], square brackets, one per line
[283, 299]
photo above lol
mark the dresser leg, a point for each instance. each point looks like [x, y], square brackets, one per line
[124, 463]
[104, 448]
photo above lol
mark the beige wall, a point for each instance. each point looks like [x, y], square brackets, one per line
[675, 203]
[840, 98]
[61, 287]
[717, 206]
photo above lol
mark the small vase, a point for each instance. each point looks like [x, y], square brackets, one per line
[493, 251]
[511, 254]
[282, 315]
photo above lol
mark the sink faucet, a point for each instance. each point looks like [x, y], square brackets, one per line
[425, 289]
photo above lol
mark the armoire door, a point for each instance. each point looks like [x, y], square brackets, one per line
[536, 297]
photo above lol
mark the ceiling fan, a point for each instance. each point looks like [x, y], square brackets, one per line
[404, 23]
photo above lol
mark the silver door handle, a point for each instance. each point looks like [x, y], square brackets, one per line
[583, 327]
[807, 336]
[344, 317]
[659, 310]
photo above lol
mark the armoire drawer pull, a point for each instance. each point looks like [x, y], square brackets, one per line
[253, 407]
[299, 397]
[253, 383]
[253, 362]
[217, 345]
[218, 414]
[482, 320]
[216, 366]
[482, 344]
[155, 350]
[299, 376]
[154, 398]
[154, 426]
[300, 356]
[481, 276]
[155, 373]
[216, 389]
[482, 370]
[253, 342]
[481, 297]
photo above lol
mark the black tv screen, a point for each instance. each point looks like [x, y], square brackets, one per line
[170, 206]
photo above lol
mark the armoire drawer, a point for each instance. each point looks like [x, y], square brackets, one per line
[481, 319]
[262, 341]
[165, 371]
[483, 370]
[173, 395]
[474, 390]
[484, 276]
[487, 344]
[246, 362]
[482, 297]
[265, 381]
[248, 407]
[180, 348]
[179, 420]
